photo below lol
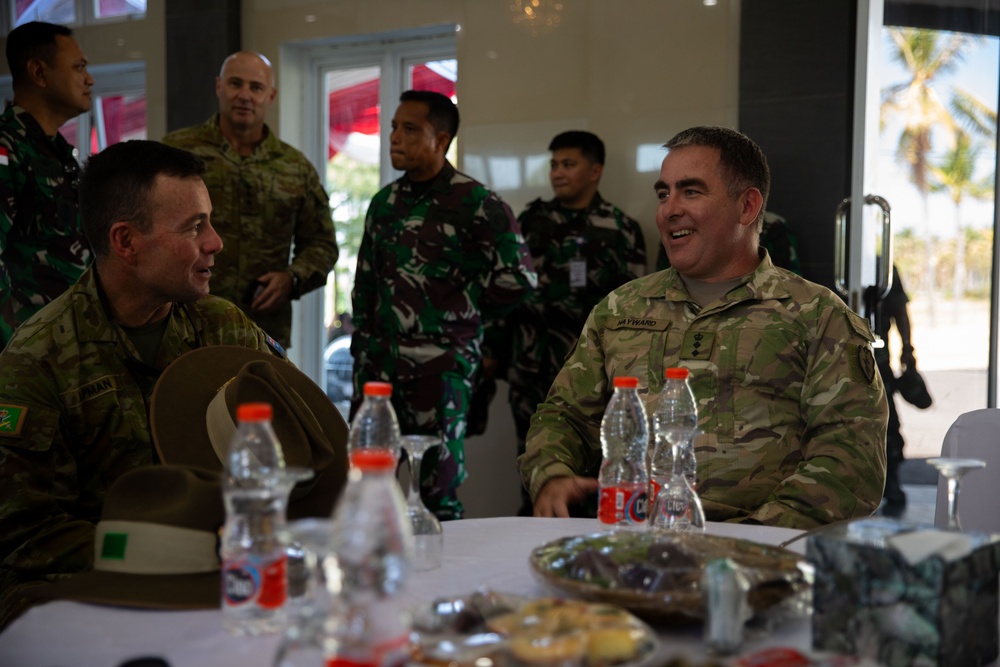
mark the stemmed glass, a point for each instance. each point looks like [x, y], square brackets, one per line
[308, 628]
[953, 469]
[427, 534]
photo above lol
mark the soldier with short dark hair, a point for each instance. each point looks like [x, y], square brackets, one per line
[440, 256]
[42, 247]
[76, 379]
[267, 200]
[582, 247]
[792, 409]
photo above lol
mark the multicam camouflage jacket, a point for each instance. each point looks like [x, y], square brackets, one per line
[74, 416]
[792, 409]
[261, 204]
[42, 247]
[602, 241]
[432, 267]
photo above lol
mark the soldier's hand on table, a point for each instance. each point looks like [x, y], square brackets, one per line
[560, 492]
[276, 290]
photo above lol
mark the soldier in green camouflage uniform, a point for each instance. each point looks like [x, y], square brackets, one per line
[792, 408]
[76, 382]
[582, 247]
[42, 247]
[440, 255]
[265, 196]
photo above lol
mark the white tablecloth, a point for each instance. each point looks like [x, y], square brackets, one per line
[478, 552]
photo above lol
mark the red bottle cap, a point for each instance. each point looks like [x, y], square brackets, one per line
[676, 373]
[373, 460]
[626, 382]
[254, 412]
[378, 389]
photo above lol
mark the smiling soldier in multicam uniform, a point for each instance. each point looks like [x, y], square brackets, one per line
[792, 409]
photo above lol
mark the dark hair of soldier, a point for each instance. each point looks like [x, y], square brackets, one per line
[117, 182]
[32, 40]
[742, 159]
[590, 145]
[441, 111]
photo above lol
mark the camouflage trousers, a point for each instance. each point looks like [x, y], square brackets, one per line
[438, 405]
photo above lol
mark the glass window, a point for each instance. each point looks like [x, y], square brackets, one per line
[52, 11]
[111, 8]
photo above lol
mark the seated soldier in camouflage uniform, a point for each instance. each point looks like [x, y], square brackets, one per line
[77, 377]
[791, 406]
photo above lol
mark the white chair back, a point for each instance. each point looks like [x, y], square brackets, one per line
[974, 435]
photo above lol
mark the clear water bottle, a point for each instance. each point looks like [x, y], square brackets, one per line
[375, 425]
[675, 421]
[624, 440]
[373, 549]
[254, 557]
[674, 502]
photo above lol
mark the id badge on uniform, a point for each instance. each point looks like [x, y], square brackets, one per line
[578, 272]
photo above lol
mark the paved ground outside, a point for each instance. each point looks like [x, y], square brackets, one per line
[952, 351]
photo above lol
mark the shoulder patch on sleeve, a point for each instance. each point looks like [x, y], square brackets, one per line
[276, 347]
[862, 363]
[860, 326]
[12, 418]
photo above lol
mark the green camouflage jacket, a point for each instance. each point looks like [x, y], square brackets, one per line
[42, 247]
[541, 331]
[261, 204]
[792, 409]
[432, 266]
[74, 417]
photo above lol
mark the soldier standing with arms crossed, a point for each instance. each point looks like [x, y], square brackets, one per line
[582, 247]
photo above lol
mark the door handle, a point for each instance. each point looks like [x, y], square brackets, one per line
[883, 268]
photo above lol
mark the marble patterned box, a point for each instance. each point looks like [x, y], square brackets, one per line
[871, 599]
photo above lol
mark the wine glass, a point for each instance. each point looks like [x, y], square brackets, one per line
[427, 534]
[309, 621]
[953, 469]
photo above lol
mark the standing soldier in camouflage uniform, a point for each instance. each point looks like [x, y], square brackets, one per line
[440, 255]
[582, 247]
[791, 406]
[265, 196]
[76, 378]
[42, 247]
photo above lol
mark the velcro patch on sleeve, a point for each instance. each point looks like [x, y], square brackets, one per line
[12, 419]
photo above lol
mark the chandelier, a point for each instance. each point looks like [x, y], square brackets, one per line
[536, 16]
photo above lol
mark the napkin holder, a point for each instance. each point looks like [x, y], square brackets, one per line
[871, 598]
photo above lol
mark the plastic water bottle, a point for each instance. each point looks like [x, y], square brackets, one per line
[675, 421]
[373, 548]
[375, 425]
[673, 498]
[624, 440]
[254, 557]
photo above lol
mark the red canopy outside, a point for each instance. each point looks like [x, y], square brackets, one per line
[356, 108]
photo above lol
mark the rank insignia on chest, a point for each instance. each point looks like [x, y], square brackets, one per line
[12, 418]
[697, 344]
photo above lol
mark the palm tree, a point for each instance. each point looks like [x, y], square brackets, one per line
[926, 55]
[954, 174]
